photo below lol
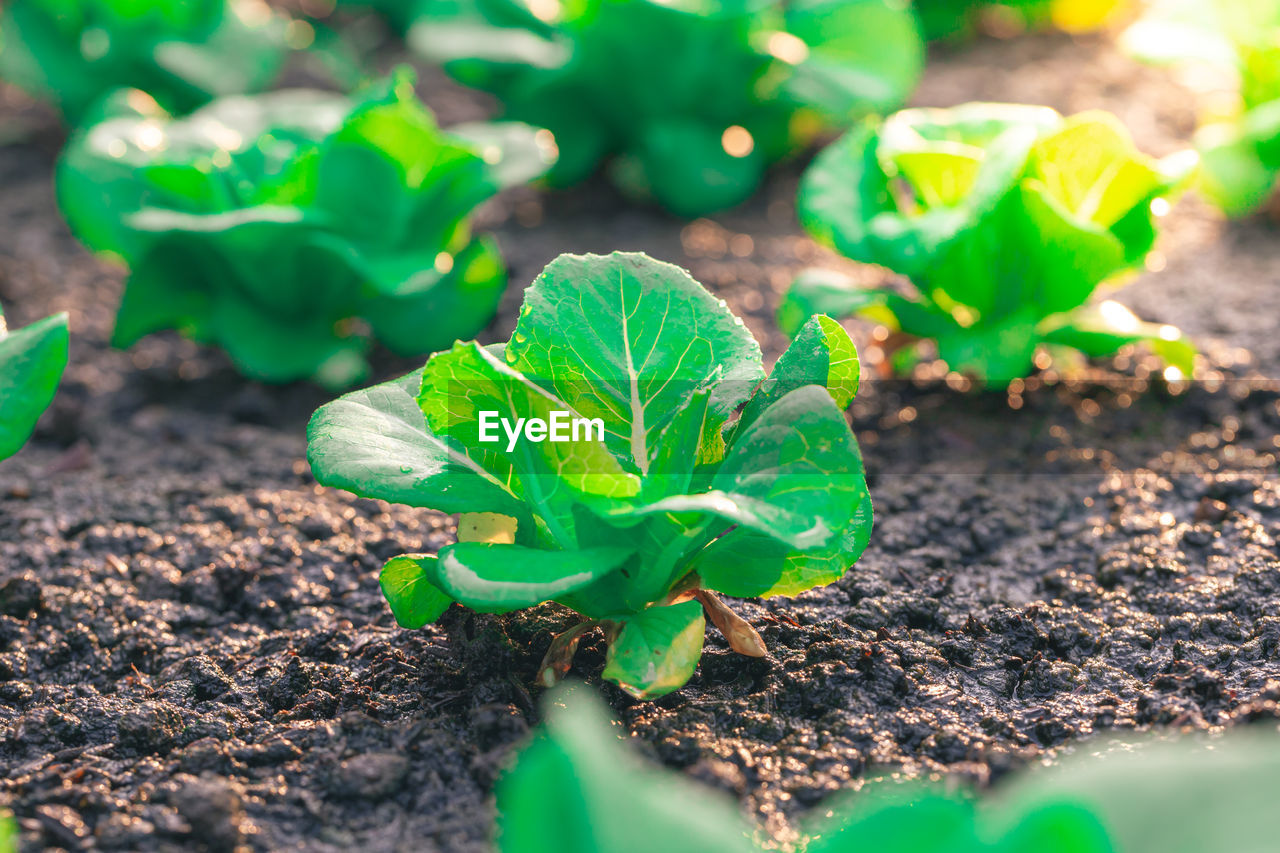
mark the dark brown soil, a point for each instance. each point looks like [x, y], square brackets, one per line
[194, 653]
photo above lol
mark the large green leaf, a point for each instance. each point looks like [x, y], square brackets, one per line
[375, 443]
[31, 363]
[577, 788]
[630, 340]
[656, 650]
[500, 578]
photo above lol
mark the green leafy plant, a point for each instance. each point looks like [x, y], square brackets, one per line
[694, 98]
[952, 19]
[293, 227]
[577, 788]
[1005, 219]
[31, 363]
[182, 52]
[637, 524]
[1239, 141]
[8, 834]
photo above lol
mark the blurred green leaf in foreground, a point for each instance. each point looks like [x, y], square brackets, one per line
[31, 363]
[578, 789]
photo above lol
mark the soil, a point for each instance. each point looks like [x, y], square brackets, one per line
[194, 653]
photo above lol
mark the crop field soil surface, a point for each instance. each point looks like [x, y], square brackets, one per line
[194, 648]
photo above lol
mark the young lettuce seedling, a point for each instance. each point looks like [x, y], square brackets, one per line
[1005, 219]
[652, 498]
[1239, 144]
[695, 99]
[31, 363]
[293, 227]
[182, 52]
[578, 788]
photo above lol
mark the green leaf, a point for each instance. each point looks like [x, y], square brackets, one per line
[686, 443]
[656, 650]
[578, 788]
[862, 55]
[797, 468]
[407, 585]
[817, 291]
[500, 578]
[629, 339]
[747, 564]
[31, 363]
[1100, 330]
[1092, 168]
[821, 353]
[998, 352]
[900, 818]
[376, 444]
[1179, 796]
[407, 322]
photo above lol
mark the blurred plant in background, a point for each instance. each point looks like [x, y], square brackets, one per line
[31, 363]
[692, 98]
[1005, 218]
[293, 227]
[953, 19]
[577, 788]
[1239, 40]
[183, 53]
